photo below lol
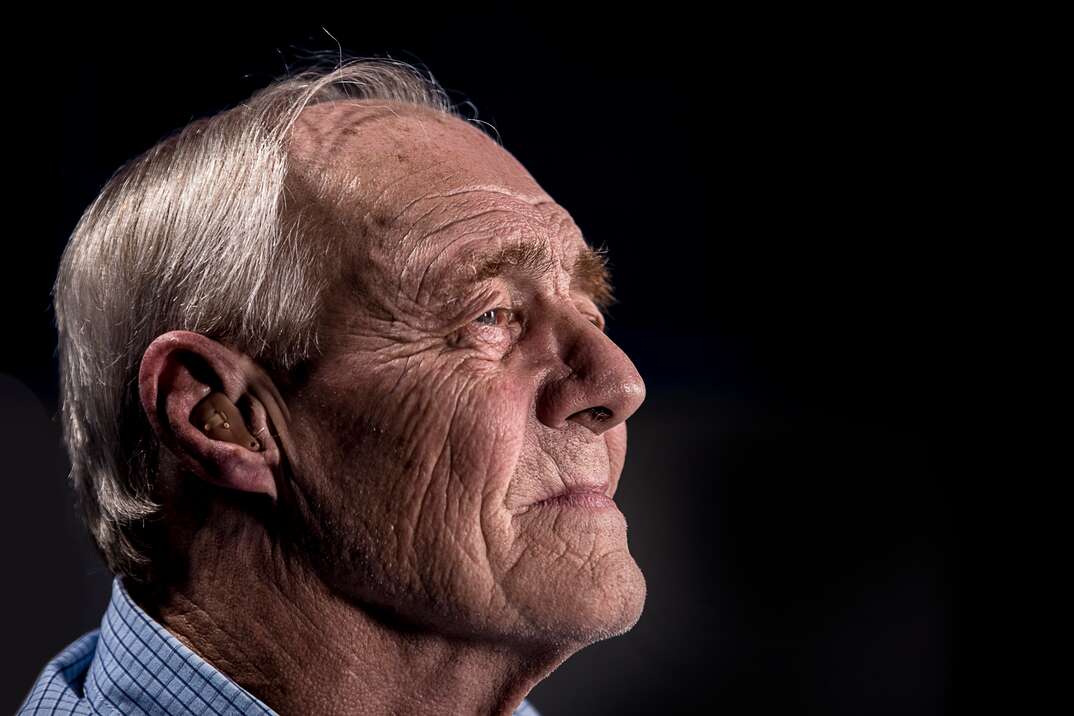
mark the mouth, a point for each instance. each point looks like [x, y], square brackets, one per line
[587, 497]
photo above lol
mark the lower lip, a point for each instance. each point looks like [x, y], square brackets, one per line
[580, 500]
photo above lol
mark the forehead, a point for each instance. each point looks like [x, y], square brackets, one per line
[411, 181]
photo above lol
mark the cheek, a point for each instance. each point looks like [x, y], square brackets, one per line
[486, 432]
[445, 435]
[470, 444]
[414, 424]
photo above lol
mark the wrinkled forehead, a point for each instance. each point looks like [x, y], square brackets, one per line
[387, 154]
[412, 180]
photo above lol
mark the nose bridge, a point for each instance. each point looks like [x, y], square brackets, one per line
[596, 384]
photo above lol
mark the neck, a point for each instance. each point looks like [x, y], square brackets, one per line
[283, 635]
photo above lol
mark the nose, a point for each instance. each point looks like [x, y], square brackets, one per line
[597, 385]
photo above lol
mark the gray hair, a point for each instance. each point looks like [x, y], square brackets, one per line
[191, 236]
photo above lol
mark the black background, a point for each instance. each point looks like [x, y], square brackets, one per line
[781, 197]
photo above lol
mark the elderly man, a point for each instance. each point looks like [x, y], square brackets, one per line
[342, 416]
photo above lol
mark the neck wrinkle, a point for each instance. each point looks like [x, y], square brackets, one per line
[300, 648]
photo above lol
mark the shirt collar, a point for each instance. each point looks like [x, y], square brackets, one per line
[141, 667]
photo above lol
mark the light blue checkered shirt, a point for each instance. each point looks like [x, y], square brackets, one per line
[133, 665]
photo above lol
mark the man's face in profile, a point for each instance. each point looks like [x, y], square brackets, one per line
[465, 382]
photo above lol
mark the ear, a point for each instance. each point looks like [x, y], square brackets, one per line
[179, 371]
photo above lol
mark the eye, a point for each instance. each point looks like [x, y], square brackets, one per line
[596, 320]
[495, 317]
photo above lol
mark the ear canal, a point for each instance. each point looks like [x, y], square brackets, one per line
[218, 418]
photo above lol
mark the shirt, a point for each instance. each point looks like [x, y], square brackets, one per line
[133, 665]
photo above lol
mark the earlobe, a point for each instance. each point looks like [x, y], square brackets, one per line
[220, 419]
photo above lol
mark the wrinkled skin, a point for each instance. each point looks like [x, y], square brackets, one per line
[407, 464]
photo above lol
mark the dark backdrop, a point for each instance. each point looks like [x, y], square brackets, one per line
[778, 195]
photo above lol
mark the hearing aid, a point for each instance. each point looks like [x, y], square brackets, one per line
[218, 418]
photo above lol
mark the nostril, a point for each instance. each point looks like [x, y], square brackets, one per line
[600, 413]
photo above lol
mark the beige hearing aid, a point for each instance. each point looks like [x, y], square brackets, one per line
[218, 417]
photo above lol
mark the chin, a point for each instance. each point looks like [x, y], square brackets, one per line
[590, 607]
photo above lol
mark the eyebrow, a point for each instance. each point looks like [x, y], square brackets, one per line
[589, 274]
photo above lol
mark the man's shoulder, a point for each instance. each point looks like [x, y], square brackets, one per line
[60, 687]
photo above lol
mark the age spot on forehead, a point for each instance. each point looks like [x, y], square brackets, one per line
[325, 132]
